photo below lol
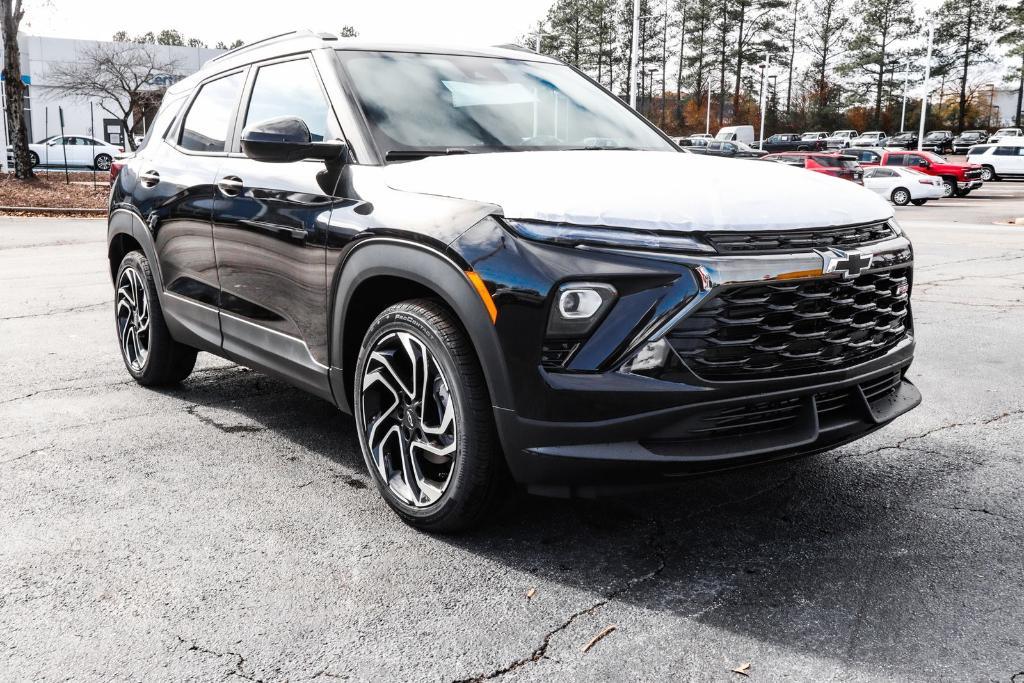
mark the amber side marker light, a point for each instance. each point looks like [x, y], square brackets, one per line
[485, 296]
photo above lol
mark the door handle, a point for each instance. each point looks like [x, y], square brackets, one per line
[149, 178]
[230, 185]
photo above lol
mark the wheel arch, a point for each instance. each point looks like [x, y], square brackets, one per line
[126, 232]
[379, 272]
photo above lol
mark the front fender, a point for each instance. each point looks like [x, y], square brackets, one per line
[438, 272]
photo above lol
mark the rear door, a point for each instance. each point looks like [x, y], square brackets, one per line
[269, 228]
[175, 193]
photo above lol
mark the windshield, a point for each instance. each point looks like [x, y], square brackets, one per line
[419, 104]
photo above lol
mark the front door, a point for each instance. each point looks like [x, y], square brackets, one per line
[269, 230]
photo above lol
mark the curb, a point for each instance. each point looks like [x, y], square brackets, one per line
[51, 209]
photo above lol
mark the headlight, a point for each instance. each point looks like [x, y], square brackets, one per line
[575, 236]
[896, 226]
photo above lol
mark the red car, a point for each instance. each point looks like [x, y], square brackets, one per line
[834, 164]
[957, 179]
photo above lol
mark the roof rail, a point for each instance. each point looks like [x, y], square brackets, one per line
[514, 46]
[264, 41]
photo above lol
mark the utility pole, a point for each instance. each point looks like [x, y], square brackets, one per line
[927, 86]
[764, 67]
[707, 120]
[632, 53]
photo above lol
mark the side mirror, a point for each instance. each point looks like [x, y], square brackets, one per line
[286, 139]
[924, 163]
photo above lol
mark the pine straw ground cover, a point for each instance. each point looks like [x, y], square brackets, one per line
[50, 191]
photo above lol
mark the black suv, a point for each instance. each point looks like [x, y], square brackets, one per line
[502, 272]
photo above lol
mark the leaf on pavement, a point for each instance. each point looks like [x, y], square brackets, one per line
[742, 669]
[593, 641]
[530, 593]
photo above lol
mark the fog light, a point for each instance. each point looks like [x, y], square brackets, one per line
[578, 307]
[650, 357]
[579, 303]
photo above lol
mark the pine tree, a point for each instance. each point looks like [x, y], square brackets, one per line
[872, 52]
[824, 38]
[964, 34]
[1013, 39]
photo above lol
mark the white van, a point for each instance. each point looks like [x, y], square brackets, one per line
[1005, 160]
[736, 134]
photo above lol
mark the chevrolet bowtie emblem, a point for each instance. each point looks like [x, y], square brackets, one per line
[848, 264]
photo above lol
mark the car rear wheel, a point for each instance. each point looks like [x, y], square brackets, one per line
[918, 202]
[901, 196]
[948, 187]
[102, 162]
[423, 417]
[988, 174]
[152, 357]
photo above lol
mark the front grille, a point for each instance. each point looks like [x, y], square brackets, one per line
[749, 419]
[769, 242]
[973, 173]
[779, 329]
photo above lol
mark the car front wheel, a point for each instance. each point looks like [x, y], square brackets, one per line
[423, 417]
[152, 357]
[948, 187]
[33, 159]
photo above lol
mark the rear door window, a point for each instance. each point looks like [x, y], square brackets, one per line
[208, 122]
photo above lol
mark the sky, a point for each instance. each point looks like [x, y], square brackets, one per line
[473, 22]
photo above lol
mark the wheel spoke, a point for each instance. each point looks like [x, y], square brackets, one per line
[386, 365]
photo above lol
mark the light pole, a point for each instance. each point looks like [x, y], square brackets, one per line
[903, 115]
[651, 70]
[774, 99]
[635, 46]
[764, 66]
[991, 102]
[538, 34]
[927, 87]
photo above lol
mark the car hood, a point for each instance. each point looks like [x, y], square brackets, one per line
[645, 190]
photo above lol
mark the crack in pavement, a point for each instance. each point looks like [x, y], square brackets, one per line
[24, 455]
[540, 652]
[1017, 677]
[58, 311]
[50, 390]
[902, 442]
[239, 668]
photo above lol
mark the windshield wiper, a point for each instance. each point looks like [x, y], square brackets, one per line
[409, 154]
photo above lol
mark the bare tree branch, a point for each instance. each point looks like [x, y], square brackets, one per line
[120, 75]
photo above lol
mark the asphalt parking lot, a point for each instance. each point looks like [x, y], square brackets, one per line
[227, 528]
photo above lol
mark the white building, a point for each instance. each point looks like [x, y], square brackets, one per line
[39, 54]
[1003, 105]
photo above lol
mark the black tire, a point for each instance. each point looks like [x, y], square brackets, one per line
[165, 362]
[102, 162]
[33, 158]
[988, 174]
[900, 196]
[476, 476]
[918, 202]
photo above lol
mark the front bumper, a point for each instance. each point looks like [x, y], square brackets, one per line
[589, 458]
[972, 184]
[587, 426]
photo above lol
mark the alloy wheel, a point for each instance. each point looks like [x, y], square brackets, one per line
[986, 174]
[900, 197]
[947, 189]
[133, 318]
[409, 419]
[102, 162]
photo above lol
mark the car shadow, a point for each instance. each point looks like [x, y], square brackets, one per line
[825, 556]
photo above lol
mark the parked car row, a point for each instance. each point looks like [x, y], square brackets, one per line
[73, 150]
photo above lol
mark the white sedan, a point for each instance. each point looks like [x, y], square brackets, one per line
[902, 186]
[81, 150]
